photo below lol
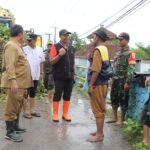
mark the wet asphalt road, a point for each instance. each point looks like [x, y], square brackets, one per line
[43, 134]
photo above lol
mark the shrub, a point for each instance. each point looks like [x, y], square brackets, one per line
[133, 132]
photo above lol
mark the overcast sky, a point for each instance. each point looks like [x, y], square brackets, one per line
[78, 16]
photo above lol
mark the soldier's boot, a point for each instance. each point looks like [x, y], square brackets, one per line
[66, 116]
[114, 115]
[17, 127]
[11, 134]
[55, 117]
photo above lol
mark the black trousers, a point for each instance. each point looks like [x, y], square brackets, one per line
[63, 87]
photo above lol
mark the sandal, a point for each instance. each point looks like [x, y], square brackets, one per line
[27, 116]
[35, 114]
[111, 121]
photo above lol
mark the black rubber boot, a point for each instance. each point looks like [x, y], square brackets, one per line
[11, 134]
[17, 127]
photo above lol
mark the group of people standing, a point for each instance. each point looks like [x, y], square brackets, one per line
[98, 77]
[121, 82]
[23, 67]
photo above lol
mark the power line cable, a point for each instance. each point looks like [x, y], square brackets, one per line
[127, 5]
[146, 2]
[127, 13]
[132, 10]
[136, 10]
[131, 2]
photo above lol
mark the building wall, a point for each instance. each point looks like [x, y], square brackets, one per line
[83, 62]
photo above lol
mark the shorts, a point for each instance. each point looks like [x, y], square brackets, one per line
[48, 81]
[32, 90]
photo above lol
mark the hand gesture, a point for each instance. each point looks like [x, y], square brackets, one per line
[62, 52]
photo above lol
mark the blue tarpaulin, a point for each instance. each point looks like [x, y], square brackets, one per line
[137, 100]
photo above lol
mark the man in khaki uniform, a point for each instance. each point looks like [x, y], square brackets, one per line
[98, 82]
[16, 78]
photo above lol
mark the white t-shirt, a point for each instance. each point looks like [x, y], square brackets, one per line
[35, 57]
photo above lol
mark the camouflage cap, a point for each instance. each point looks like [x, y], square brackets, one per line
[50, 42]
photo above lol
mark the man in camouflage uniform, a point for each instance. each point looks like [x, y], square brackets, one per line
[48, 76]
[124, 66]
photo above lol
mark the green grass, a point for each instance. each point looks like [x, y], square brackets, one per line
[133, 133]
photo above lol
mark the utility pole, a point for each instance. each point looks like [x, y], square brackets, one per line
[49, 36]
[55, 31]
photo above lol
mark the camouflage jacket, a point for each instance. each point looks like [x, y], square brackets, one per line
[47, 65]
[124, 65]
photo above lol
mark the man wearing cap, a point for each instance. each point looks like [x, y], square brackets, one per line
[35, 57]
[62, 59]
[124, 66]
[98, 82]
[16, 78]
[48, 76]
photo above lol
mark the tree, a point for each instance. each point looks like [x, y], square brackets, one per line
[76, 41]
[142, 52]
[114, 41]
[4, 36]
[4, 33]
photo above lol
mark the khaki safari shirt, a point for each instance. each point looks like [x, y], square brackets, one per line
[15, 66]
[97, 62]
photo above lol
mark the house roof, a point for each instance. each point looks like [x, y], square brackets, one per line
[109, 33]
[112, 49]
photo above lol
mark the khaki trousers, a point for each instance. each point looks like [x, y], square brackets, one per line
[98, 101]
[14, 104]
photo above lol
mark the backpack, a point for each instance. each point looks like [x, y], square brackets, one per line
[107, 71]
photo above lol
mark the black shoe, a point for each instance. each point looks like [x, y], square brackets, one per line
[13, 137]
[16, 126]
[11, 134]
[20, 130]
